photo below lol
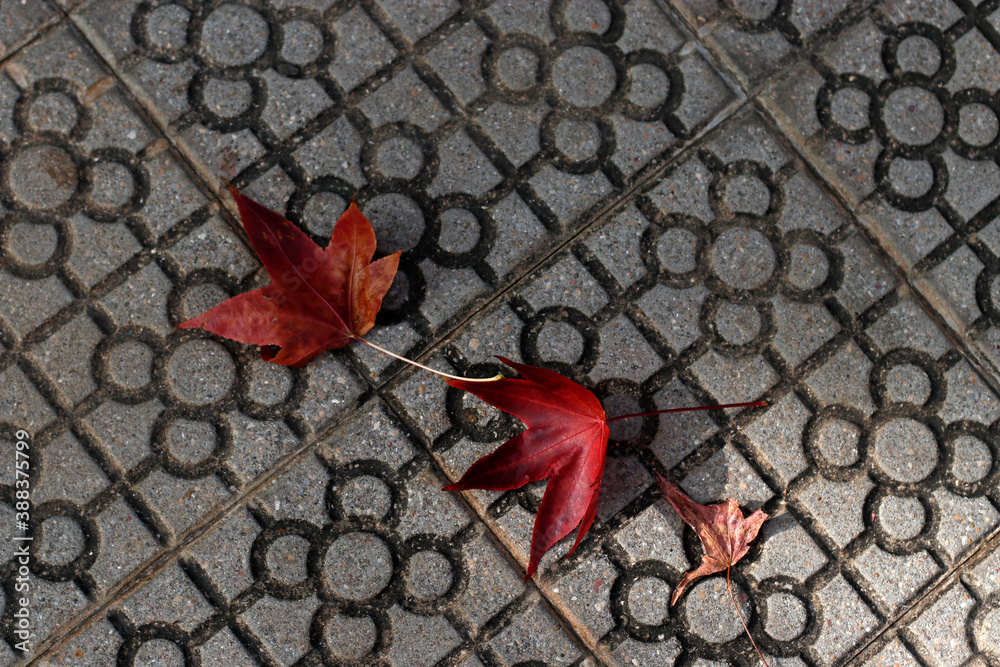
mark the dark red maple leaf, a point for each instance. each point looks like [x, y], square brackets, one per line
[724, 532]
[566, 439]
[319, 299]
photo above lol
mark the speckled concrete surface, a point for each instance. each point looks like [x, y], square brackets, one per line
[673, 203]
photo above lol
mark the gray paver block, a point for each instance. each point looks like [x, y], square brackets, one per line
[309, 571]
[474, 138]
[896, 111]
[139, 432]
[866, 457]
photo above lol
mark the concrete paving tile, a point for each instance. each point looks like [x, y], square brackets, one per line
[865, 456]
[22, 21]
[311, 572]
[139, 432]
[472, 138]
[897, 115]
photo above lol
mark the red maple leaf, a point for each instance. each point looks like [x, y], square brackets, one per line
[724, 532]
[319, 299]
[566, 440]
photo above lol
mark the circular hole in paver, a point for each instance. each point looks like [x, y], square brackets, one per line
[234, 35]
[191, 441]
[906, 383]
[302, 42]
[400, 157]
[558, 341]
[269, 384]
[583, 76]
[43, 177]
[743, 258]
[517, 68]
[918, 54]
[201, 371]
[745, 193]
[911, 178]
[112, 184]
[398, 221]
[913, 115]
[977, 124]
[837, 440]
[32, 243]
[677, 250]
[973, 459]
[358, 565]
[286, 559]
[459, 230]
[227, 99]
[53, 112]
[649, 601]
[649, 87]
[167, 27]
[428, 574]
[901, 517]
[849, 108]
[905, 449]
[786, 617]
[350, 637]
[321, 213]
[159, 653]
[60, 540]
[366, 495]
[808, 266]
[710, 612]
[738, 324]
[131, 363]
[577, 139]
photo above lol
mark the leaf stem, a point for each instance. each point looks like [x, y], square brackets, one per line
[754, 404]
[729, 586]
[426, 368]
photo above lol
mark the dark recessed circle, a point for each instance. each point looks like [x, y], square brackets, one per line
[649, 601]
[649, 86]
[53, 112]
[517, 68]
[131, 363]
[159, 652]
[913, 115]
[286, 559]
[365, 495]
[560, 341]
[786, 617]
[838, 440]
[459, 231]
[226, 98]
[901, 517]
[111, 184]
[234, 35]
[736, 323]
[977, 124]
[577, 139]
[269, 384]
[399, 157]
[428, 575]
[808, 266]
[905, 449]
[677, 250]
[747, 193]
[398, 221]
[43, 176]
[911, 178]
[358, 565]
[919, 54]
[907, 383]
[322, 211]
[201, 371]
[31, 243]
[302, 42]
[972, 460]
[743, 258]
[849, 108]
[167, 27]
[350, 637]
[59, 541]
[584, 76]
[189, 441]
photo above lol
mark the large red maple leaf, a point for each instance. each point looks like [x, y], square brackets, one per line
[319, 298]
[566, 441]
